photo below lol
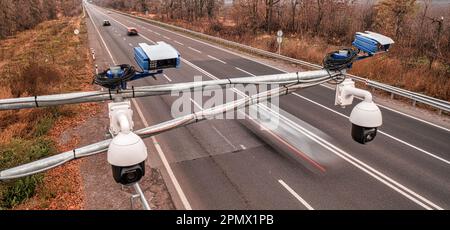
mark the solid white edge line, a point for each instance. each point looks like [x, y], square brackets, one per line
[223, 136]
[369, 170]
[125, 26]
[274, 67]
[111, 18]
[217, 59]
[148, 39]
[101, 38]
[293, 193]
[167, 77]
[195, 103]
[380, 131]
[415, 147]
[166, 164]
[415, 118]
[358, 166]
[169, 170]
[215, 129]
[348, 157]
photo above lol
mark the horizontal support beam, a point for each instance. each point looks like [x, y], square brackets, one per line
[421, 98]
[59, 159]
[145, 91]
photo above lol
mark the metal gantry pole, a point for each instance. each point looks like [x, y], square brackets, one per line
[144, 91]
[141, 196]
[289, 82]
[59, 159]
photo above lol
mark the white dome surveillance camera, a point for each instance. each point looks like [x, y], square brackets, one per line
[365, 118]
[127, 154]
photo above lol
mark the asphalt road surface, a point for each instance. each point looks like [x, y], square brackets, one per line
[230, 164]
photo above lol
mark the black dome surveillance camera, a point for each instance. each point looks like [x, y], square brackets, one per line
[363, 135]
[130, 174]
[365, 118]
[127, 154]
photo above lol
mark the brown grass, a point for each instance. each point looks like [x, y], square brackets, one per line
[389, 68]
[386, 68]
[48, 59]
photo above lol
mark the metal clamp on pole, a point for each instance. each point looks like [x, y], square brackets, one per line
[126, 151]
[139, 194]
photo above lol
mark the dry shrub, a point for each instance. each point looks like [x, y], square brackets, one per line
[12, 131]
[35, 79]
[23, 123]
[406, 66]
[301, 49]
[393, 71]
[64, 66]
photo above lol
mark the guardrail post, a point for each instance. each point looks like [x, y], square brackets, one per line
[96, 69]
[93, 53]
[414, 103]
[375, 85]
[440, 112]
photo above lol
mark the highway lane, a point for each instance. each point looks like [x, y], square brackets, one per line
[184, 149]
[188, 147]
[215, 66]
[431, 138]
[414, 161]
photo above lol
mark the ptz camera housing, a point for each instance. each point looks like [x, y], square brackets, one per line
[127, 154]
[365, 117]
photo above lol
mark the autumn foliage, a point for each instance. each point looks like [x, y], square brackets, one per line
[47, 59]
[419, 60]
[19, 15]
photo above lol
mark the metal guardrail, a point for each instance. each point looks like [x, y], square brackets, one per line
[99, 147]
[441, 105]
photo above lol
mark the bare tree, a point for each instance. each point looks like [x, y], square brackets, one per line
[294, 4]
[393, 13]
[269, 4]
[320, 14]
[7, 18]
[20, 15]
[334, 21]
[210, 8]
[435, 49]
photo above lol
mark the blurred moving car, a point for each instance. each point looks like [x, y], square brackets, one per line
[132, 31]
[106, 23]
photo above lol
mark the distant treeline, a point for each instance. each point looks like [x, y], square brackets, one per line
[18, 15]
[418, 28]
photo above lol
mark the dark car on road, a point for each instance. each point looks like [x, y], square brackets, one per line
[106, 23]
[132, 31]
